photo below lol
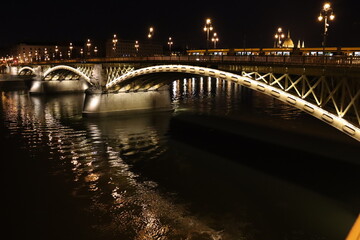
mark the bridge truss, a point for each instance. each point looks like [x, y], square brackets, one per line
[335, 101]
[340, 96]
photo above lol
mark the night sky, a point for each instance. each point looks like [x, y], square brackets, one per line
[251, 23]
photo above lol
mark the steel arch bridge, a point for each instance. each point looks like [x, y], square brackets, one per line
[26, 71]
[335, 103]
[63, 70]
[75, 72]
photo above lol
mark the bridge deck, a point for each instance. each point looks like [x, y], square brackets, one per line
[335, 61]
[313, 65]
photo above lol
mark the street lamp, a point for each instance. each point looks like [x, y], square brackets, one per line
[151, 32]
[88, 44]
[170, 43]
[56, 52]
[327, 15]
[215, 39]
[46, 54]
[71, 48]
[208, 28]
[137, 47]
[114, 41]
[30, 56]
[95, 50]
[278, 36]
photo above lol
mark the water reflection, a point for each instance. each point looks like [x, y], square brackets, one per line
[91, 154]
[215, 95]
[137, 204]
[131, 177]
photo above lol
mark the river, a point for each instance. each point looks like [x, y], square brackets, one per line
[228, 163]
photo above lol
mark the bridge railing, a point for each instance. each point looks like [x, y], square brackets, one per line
[353, 61]
[290, 60]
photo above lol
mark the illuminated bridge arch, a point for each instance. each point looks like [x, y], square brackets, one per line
[148, 79]
[70, 69]
[26, 71]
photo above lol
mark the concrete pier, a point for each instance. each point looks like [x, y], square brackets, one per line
[99, 103]
[64, 86]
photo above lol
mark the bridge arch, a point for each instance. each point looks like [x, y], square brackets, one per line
[26, 69]
[330, 118]
[68, 68]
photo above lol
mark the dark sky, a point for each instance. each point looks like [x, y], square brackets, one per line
[251, 23]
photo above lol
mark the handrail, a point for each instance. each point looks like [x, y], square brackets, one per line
[336, 61]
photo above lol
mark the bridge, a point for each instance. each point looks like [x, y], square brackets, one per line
[327, 88]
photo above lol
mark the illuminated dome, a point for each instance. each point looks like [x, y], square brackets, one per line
[288, 43]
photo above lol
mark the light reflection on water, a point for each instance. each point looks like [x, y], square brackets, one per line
[224, 97]
[91, 157]
[129, 168]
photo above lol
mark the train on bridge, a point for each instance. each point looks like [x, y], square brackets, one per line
[318, 51]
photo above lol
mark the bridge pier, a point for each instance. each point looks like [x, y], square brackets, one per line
[100, 103]
[64, 86]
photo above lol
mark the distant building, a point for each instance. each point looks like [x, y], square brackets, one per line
[288, 42]
[127, 48]
[299, 45]
[25, 52]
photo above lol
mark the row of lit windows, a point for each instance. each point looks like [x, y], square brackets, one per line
[279, 53]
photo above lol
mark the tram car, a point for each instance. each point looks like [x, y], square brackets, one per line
[319, 51]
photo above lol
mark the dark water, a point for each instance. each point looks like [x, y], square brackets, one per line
[228, 163]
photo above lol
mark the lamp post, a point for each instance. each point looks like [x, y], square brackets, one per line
[150, 50]
[170, 43]
[30, 56]
[326, 15]
[137, 45]
[208, 28]
[114, 41]
[278, 36]
[215, 39]
[46, 54]
[70, 49]
[151, 33]
[56, 52]
[88, 45]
